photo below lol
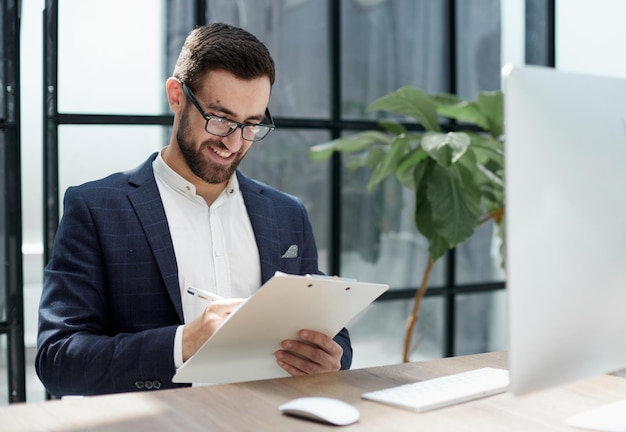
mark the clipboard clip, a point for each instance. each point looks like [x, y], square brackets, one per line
[322, 276]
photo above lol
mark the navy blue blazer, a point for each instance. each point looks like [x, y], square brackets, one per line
[111, 300]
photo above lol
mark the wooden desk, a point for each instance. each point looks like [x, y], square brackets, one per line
[254, 405]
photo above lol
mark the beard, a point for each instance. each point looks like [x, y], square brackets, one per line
[209, 171]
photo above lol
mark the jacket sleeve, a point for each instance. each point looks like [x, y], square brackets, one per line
[96, 333]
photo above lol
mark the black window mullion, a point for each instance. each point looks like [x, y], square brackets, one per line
[200, 12]
[50, 149]
[449, 304]
[334, 8]
[51, 127]
[11, 215]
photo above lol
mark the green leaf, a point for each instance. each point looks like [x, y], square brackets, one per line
[351, 144]
[389, 162]
[491, 185]
[486, 112]
[487, 148]
[493, 197]
[481, 174]
[455, 176]
[489, 155]
[471, 189]
[491, 106]
[422, 172]
[446, 149]
[423, 210]
[405, 172]
[367, 159]
[490, 176]
[464, 111]
[455, 202]
[424, 219]
[437, 245]
[392, 126]
[469, 161]
[444, 99]
[373, 157]
[409, 101]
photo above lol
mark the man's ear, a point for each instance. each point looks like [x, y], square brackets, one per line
[174, 90]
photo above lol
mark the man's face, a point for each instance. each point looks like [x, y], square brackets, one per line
[211, 158]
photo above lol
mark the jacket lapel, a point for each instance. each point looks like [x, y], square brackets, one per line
[146, 201]
[264, 224]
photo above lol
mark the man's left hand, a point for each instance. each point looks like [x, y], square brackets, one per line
[313, 353]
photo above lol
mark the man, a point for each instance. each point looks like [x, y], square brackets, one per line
[115, 315]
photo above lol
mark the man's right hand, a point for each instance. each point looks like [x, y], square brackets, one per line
[196, 333]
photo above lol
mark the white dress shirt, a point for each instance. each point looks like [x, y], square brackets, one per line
[214, 245]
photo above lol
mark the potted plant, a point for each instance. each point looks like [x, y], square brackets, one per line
[455, 167]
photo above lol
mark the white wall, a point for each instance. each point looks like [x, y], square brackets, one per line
[590, 36]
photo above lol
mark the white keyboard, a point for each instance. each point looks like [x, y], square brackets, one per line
[444, 391]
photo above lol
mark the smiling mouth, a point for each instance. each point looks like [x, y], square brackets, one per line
[221, 153]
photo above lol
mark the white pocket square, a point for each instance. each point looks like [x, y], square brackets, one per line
[292, 252]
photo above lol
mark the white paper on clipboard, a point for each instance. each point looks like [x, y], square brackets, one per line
[243, 348]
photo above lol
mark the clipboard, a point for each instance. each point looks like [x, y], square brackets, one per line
[242, 349]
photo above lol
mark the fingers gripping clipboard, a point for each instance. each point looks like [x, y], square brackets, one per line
[243, 347]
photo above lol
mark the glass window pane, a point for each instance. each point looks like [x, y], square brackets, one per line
[92, 152]
[378, 333]
[380, 242]
[387, 45]
[481, 323]
[111, 57]
[478, 259]
[537, 35]
[179, 21]
[478, 46]
[296, 33]
[282, 161]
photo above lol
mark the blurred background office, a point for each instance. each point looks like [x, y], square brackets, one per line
[90, 81]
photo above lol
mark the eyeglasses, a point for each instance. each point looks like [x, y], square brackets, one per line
[221, 126]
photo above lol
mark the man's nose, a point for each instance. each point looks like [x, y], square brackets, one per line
[234, 141]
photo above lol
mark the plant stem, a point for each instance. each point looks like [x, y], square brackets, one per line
[419, 295]
[417, 301]
[496, 214]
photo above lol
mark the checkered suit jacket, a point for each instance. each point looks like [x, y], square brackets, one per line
[111, 300]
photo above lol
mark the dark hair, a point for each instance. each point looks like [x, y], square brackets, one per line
[219, 46]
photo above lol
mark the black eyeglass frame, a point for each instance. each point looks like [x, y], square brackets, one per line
[271, 126]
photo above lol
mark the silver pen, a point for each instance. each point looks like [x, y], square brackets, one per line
[203, 294]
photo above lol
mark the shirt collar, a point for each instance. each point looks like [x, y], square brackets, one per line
[178, 183]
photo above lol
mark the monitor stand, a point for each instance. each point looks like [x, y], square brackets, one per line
[610, 418]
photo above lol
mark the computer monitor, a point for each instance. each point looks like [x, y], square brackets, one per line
[565, 184]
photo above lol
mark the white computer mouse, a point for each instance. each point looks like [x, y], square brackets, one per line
[322, 409]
